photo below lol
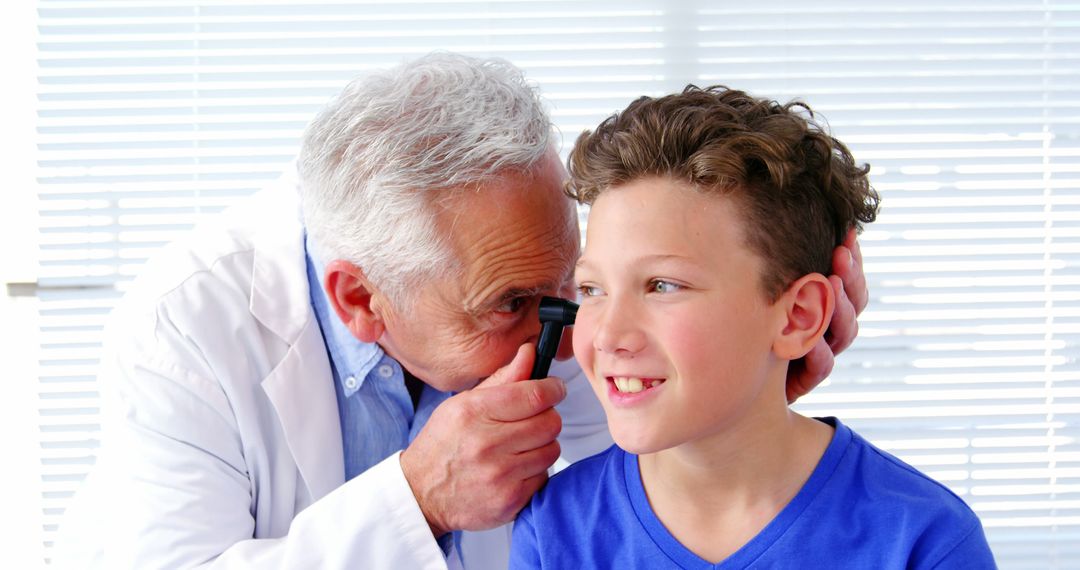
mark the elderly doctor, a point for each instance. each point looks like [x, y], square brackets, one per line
[332, 375]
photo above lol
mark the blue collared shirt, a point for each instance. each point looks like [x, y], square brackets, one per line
[375, 408]
[377, 415]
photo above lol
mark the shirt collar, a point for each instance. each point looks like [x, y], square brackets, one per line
[352, 359]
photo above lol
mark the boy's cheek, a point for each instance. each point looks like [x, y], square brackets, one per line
[577, 333]
[586, 358]
[581, 341]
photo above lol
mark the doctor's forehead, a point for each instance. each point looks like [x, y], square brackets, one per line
[519, 264]
[525, 265]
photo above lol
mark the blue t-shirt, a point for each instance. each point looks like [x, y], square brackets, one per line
[860, 508]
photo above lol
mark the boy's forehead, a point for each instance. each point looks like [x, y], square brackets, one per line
[659, 221]
[666, 200]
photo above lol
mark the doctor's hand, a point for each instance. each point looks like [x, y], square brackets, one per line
[849, 286]
[484, 452]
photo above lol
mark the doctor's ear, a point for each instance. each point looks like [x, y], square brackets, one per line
[355, 300]
[808, 308]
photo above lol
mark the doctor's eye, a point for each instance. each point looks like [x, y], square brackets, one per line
[512, 305]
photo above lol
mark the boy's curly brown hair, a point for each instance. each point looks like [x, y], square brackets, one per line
[798, 187]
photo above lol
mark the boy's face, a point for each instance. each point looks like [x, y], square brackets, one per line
[674, 330]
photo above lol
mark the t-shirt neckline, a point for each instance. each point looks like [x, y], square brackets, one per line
[757, 546]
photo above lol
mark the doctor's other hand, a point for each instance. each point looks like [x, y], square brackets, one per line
[849, 286]
[484, 452]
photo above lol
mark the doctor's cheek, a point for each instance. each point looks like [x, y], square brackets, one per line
[566, 344]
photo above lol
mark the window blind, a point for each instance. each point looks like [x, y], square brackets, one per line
[153, 115]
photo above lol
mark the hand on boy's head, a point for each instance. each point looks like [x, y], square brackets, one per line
[848, 265]
[849, 286]
[849, 283]
[807, 372]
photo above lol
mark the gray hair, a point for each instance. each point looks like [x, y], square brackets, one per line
[375, 159]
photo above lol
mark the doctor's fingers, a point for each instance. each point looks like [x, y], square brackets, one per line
[844, 326]
[507, 482]
[518, 401]
[535, 462]
[528, 434]
[807, 372]
[847, 263]
[519, 495]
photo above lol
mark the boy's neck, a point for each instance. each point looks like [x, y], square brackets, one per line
[715, 495]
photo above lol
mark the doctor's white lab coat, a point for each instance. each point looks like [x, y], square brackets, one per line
[222, 444]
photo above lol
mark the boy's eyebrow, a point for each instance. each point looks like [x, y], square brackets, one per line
[647, 257]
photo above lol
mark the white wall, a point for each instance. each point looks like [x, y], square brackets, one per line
[20, 524]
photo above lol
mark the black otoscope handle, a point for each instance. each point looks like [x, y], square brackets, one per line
[555, 314]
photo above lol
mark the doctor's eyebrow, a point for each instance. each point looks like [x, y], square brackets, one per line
[509, 294]
[516, 293]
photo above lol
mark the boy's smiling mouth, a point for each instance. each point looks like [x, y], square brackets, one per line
[633, 384]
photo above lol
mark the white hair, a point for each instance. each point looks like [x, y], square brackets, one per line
[374, 160]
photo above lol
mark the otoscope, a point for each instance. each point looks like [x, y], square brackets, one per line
[555, 314]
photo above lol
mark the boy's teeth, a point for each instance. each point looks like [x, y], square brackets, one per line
[631, 385]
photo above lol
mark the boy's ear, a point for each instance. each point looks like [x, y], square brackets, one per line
[355, 300]
[808, 305]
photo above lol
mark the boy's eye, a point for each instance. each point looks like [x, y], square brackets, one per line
[589, 290]
[661, 286]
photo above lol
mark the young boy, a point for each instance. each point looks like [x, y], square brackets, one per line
[713, 218]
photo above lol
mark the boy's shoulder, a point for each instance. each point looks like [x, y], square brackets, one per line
[586, 472]
[581, 478]
[898, 506]
[889, 479]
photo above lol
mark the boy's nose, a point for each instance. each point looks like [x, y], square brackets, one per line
[619, 331]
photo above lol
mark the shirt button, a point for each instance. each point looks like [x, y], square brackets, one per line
[350, 382]
[386, 371]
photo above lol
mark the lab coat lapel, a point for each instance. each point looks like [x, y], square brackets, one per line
[301, 390]
[301, 386]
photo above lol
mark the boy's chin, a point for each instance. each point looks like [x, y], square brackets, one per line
[637, 442]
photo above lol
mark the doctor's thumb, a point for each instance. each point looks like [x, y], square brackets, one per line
[517, 370]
